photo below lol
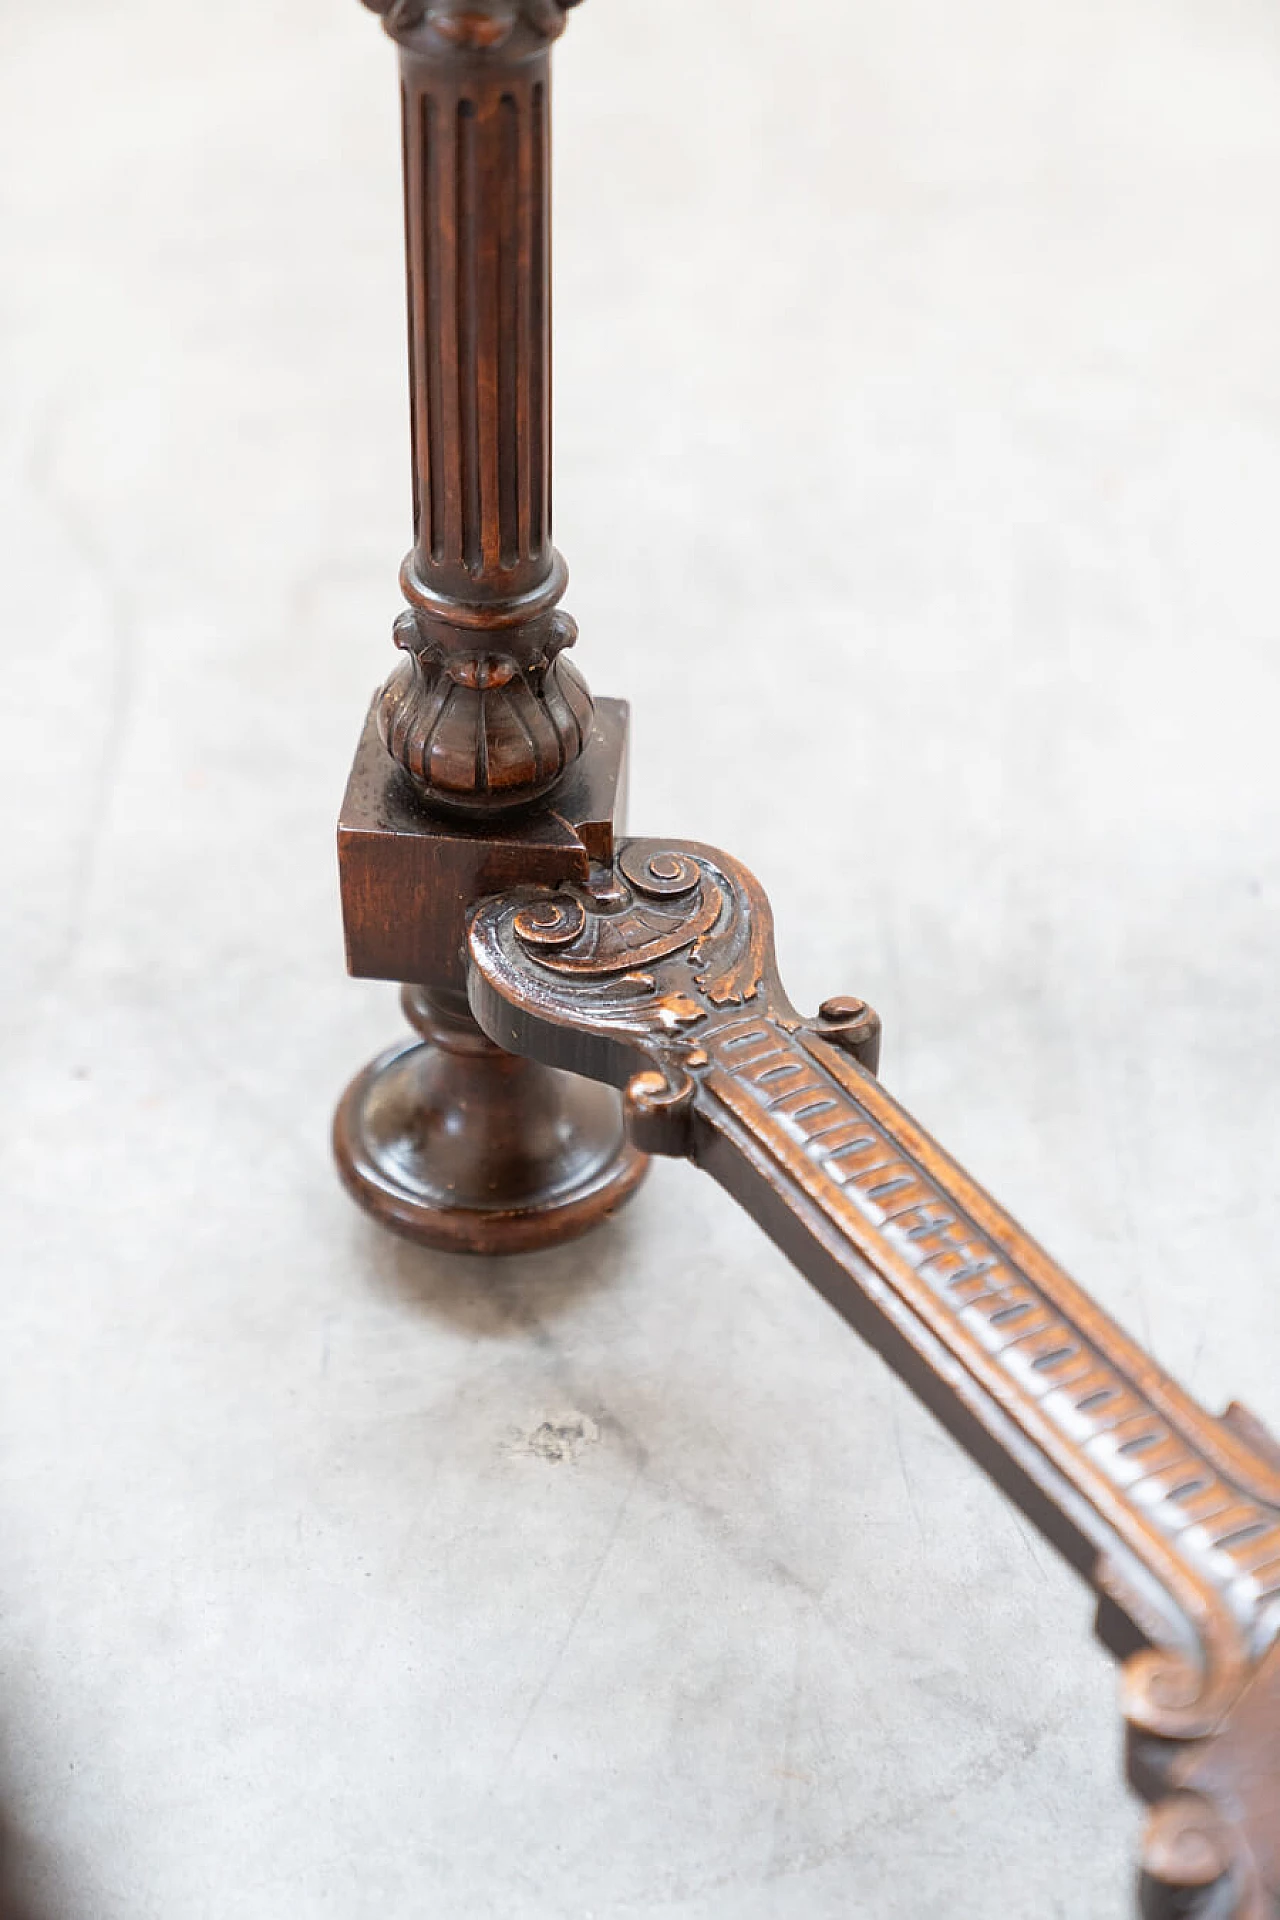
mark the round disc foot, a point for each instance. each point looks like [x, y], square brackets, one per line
[460, 1146]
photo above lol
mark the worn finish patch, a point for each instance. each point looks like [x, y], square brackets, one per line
[559, 1438]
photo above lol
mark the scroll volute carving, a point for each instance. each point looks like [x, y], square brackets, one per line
[485, 713]
[660, 978]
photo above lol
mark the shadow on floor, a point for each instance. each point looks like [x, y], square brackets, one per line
[18, 1861]
[496, 1299]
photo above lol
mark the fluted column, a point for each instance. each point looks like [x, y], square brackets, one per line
[484, 713]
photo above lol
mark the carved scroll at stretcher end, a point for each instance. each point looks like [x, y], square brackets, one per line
[1212, 1845]
[660, 978]
[618, 979]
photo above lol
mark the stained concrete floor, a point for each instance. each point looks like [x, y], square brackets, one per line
[919, 460]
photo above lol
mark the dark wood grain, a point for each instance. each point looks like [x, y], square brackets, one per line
[659, 978]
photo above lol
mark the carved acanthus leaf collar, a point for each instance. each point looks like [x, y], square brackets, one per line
[477, 25]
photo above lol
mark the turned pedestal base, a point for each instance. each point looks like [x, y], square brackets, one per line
[446, 1138]
[458, 1145]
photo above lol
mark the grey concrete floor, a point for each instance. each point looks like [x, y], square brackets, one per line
[919, 460]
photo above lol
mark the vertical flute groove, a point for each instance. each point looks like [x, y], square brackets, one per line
[466, 317]
[539, 374]
[527, 353]
[412, 230]
[508, 407]
[487, 253]
[431, 345]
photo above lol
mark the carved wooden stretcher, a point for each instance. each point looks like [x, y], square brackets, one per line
[551, 962]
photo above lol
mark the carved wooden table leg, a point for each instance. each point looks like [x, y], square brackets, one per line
[660, 978]
[484, 758]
